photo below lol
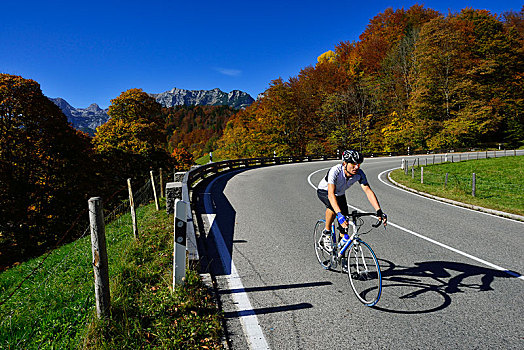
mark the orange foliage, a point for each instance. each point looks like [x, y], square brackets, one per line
[182, 159]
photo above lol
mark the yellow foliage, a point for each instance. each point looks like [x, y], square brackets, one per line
[328, 56]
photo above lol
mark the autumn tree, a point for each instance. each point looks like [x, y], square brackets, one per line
[196, 128]
[133, 138]
[468, 80]
[182, 158]
[44, 166]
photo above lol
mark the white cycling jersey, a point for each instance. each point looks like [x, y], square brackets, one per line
[337, 177]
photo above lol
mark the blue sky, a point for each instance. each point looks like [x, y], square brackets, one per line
[90, 51]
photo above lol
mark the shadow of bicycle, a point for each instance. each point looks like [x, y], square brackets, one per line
[428, 286]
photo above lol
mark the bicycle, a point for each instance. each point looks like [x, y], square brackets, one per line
[360, 261]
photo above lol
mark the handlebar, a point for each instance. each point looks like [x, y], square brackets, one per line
[355, 214]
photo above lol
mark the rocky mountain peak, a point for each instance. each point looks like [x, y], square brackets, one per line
[175, 97]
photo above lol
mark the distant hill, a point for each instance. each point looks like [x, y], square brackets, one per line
[88, 119]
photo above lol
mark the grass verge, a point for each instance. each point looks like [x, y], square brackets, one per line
[205, 159]
[55, 307]
[499, 182]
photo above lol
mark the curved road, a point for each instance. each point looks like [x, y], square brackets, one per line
[451, 276]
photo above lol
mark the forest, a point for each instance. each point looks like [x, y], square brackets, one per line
[415, 78]
[48, 170]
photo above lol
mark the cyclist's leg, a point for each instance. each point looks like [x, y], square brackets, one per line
[343, 204]
[330, 213]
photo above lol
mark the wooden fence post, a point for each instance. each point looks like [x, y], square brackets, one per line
[162, 193]
[132, 207]
[474, 185]
[99, 250]
[154, 190]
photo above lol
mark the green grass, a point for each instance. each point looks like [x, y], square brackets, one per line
[205, 159]
[499, 182]
[55, 307]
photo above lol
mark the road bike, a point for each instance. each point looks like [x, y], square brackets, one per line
[355, 257]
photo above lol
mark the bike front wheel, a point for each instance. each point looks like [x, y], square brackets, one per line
[364, 272]
[323, 254]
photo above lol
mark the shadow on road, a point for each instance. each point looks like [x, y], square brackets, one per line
[278, 287]
[428, 286]
[217, 203]
[267, 310]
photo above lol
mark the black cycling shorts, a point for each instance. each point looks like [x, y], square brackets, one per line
[341, 200]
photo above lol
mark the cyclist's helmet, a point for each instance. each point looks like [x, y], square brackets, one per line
[352, 156]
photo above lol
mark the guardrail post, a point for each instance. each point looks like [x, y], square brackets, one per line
[132, 207]
[179, 249]
[98, 248]
[179, 176]
[173, 192]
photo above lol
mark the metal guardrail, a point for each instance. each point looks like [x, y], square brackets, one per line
[197, 174]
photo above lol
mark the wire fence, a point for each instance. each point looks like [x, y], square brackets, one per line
[496, 182]
[47, 301]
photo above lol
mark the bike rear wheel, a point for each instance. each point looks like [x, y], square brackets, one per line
[364, 272]
[323, 255]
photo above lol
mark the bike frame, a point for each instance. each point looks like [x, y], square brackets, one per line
[357, 244]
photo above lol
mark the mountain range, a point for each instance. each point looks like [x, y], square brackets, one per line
[88, 119]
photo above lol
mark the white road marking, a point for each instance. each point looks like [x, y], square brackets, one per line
[487, 263]
[247, 315]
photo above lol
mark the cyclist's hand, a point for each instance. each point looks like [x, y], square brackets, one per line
[382, 216]
[342, 220]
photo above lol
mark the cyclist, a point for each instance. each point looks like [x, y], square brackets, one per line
[332, 188]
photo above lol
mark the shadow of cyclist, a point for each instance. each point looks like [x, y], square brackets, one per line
[439, 278]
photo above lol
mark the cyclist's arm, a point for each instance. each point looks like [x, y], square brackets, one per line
[372, 198]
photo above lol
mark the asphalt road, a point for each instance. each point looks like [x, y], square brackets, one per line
[444, 284]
